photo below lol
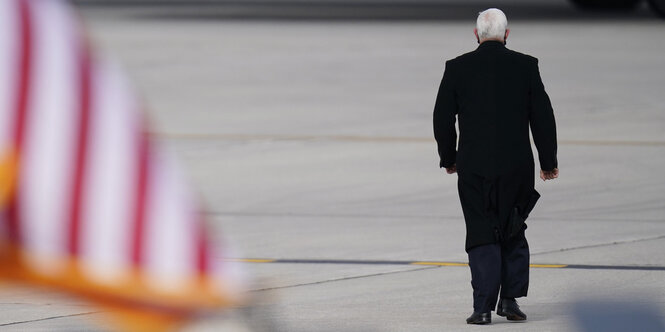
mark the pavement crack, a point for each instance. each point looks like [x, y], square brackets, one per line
[40, 304]
[50, 318]
[344, 278]
[599, 245]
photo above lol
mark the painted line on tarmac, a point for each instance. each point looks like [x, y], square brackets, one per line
[616, 267]
[435, 263]
[376, 139]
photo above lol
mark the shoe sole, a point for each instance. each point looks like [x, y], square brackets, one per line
[511, 317]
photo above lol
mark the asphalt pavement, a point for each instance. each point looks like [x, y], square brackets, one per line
[311, 144]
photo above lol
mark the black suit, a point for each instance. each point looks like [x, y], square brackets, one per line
[496, 94]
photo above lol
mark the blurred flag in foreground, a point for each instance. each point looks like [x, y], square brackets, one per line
[88, 204]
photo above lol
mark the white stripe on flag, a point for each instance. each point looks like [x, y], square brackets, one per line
[112, 170]
[170, 246]
[47, 159]
[8, 71]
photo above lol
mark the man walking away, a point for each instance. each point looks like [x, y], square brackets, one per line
[496, 94]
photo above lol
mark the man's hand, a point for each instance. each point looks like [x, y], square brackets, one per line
[452, 169]
[549, 175]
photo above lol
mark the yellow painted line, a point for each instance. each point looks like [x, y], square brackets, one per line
[435, 263]
[255, 260]
[440, 264]
[549, 266]
[244, 260]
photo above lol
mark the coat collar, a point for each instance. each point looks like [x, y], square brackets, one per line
[491, 44]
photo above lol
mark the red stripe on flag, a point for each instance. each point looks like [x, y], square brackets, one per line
[202, 249]
[21, 109]
[81, 143]
[141, 198]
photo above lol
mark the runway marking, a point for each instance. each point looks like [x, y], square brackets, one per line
[242, 260]
[617, 267]
[548, 266]
[544, 266]
[376, 139]
[442, 264]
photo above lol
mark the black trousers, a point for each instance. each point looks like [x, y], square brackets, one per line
[499, 266]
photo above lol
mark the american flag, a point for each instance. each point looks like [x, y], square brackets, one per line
[91, 204]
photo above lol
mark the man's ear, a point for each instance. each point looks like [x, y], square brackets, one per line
[505, 37]
[475, 32]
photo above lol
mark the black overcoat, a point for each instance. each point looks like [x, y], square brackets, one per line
[496, 94]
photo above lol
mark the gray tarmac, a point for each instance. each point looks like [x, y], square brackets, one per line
[311, 140]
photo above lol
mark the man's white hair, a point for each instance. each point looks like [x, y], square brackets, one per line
[491, 24]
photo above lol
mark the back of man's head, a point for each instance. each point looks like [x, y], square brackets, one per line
[491, 24]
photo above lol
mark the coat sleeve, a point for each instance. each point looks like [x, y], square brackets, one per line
[445, 110]
[541, 120]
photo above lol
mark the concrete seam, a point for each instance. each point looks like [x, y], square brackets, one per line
[369, 216]
[599, 245]
[344, 278]
[50, 318]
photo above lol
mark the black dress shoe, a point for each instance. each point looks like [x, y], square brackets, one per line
[479, 318]
[508, 308]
